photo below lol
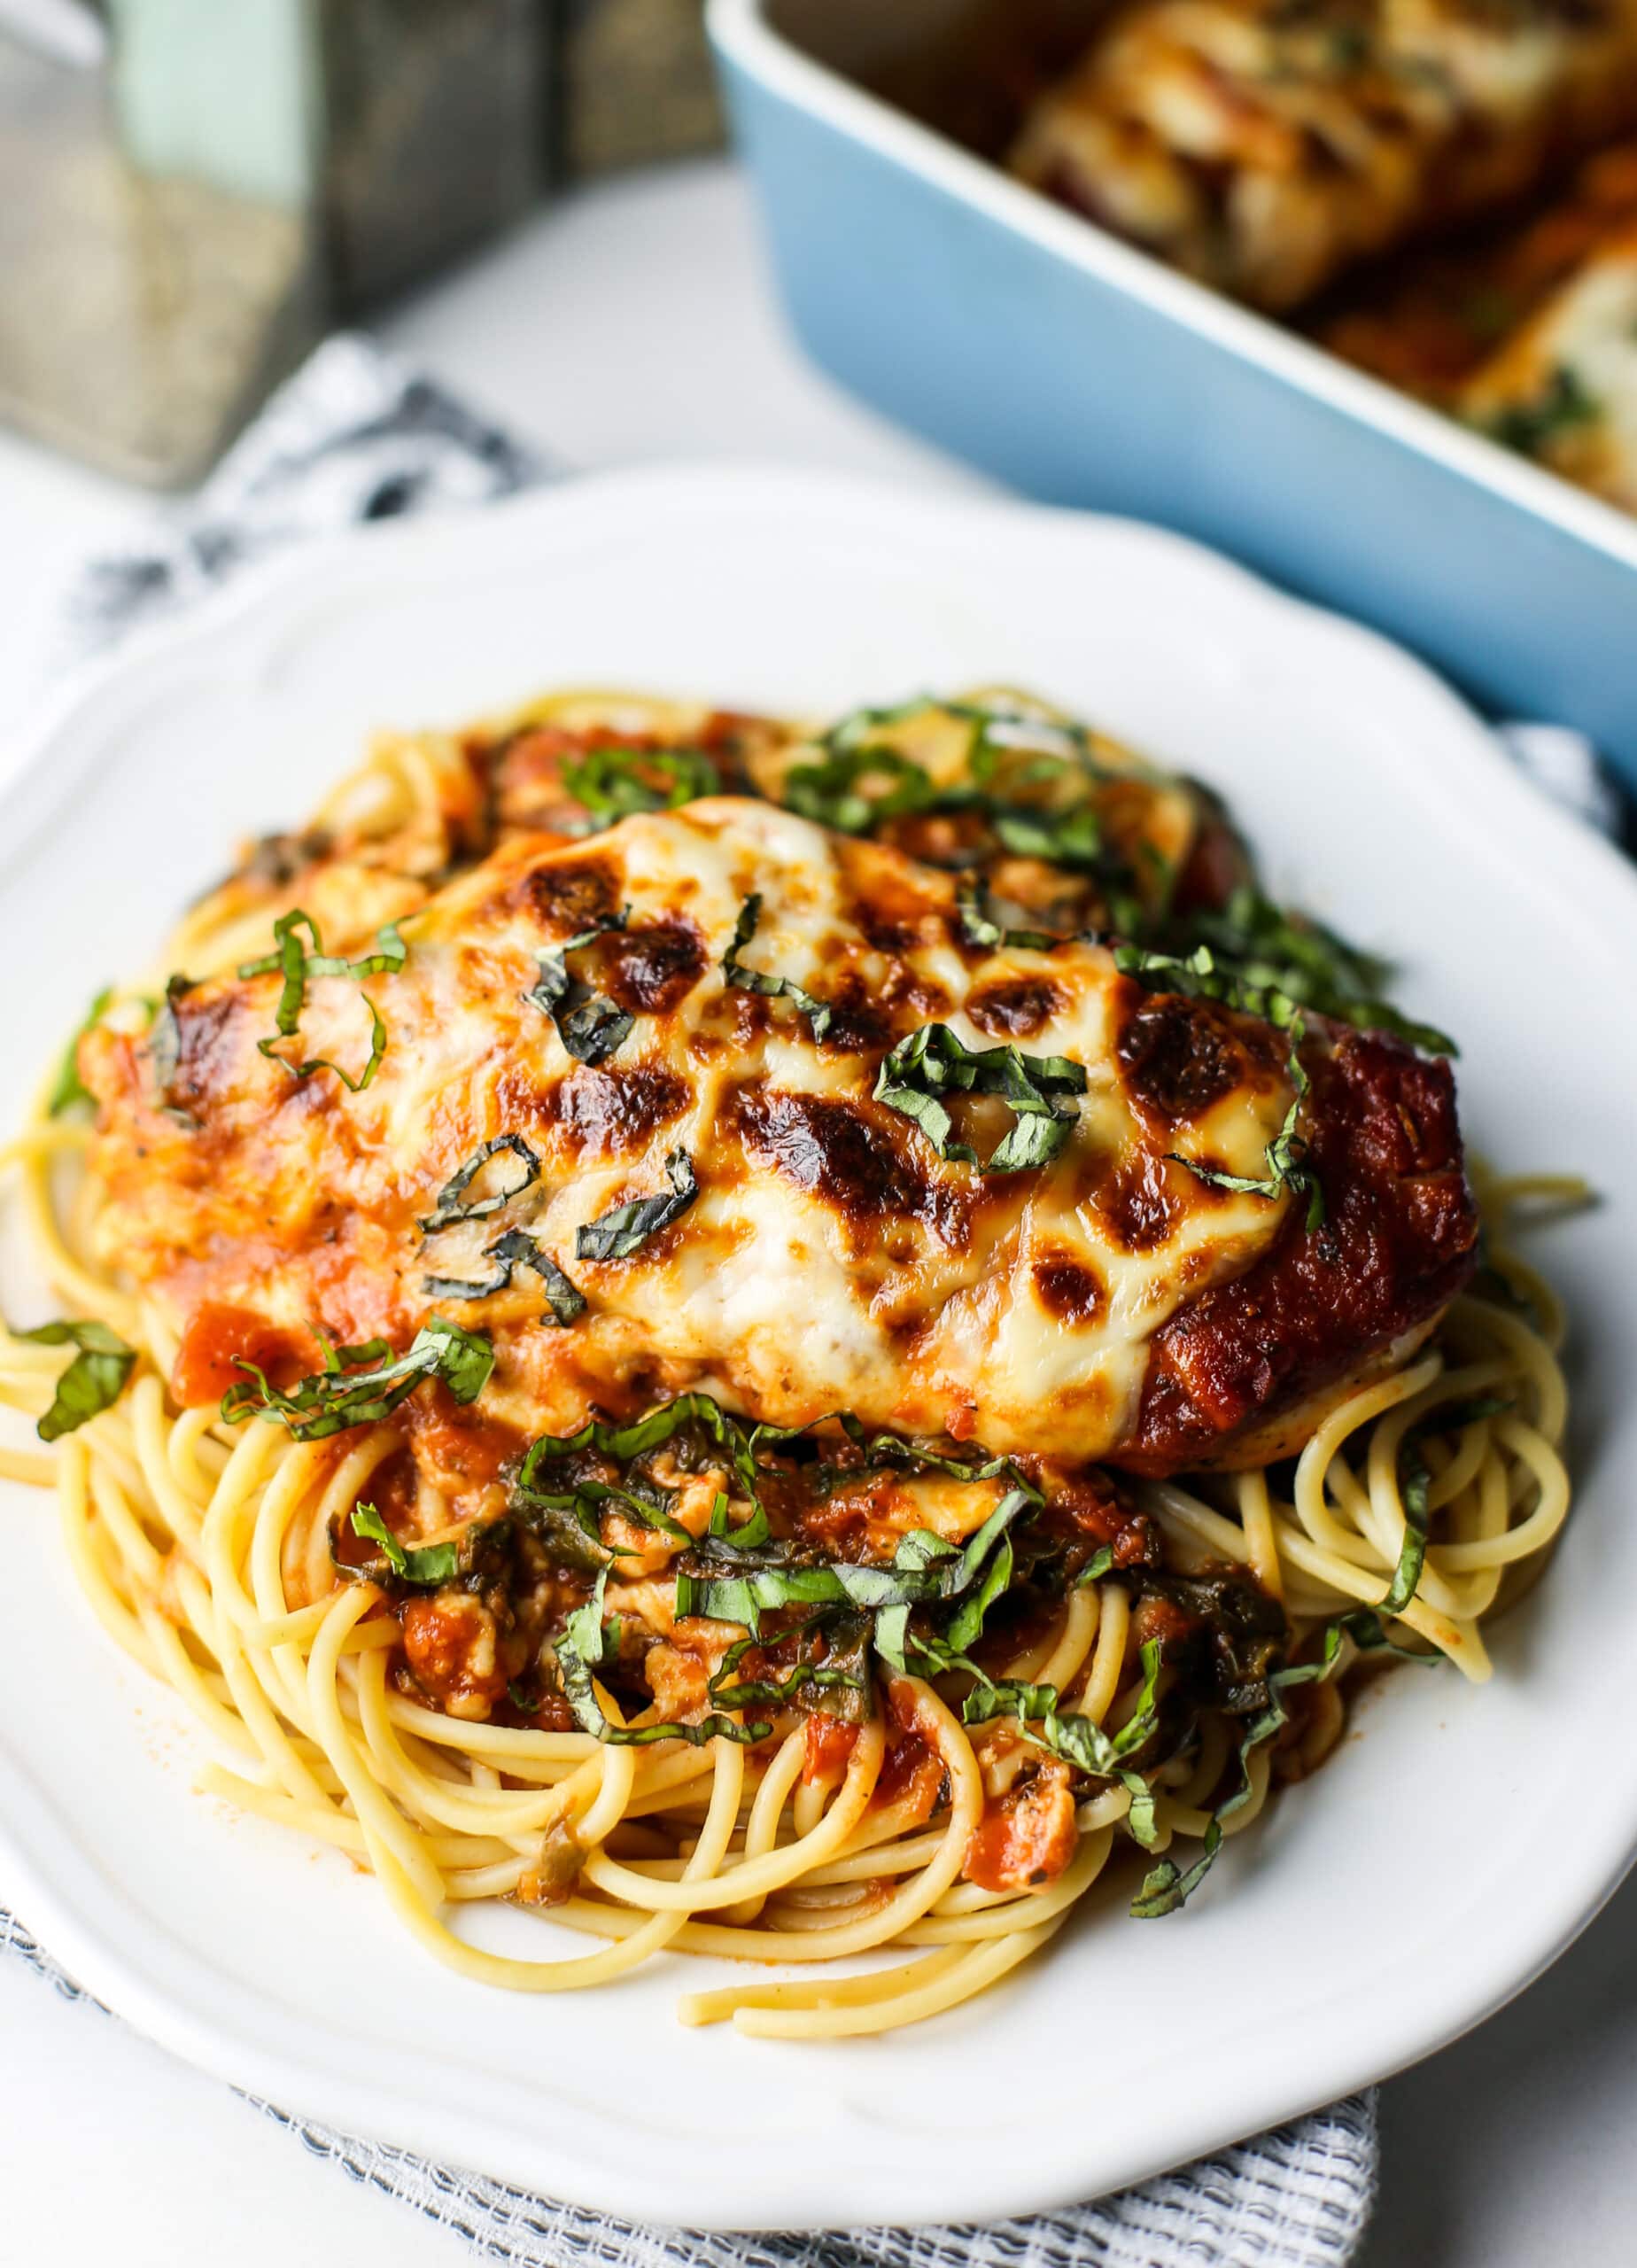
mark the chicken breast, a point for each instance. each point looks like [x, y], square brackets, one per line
[720, 1098]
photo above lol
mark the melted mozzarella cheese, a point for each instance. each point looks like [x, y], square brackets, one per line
[830, 1259]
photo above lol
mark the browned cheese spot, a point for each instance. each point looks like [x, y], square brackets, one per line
[570, 895]
[608, 1111]
[1016, 1007]
[1068, 1288]
[1179, 1057]
[650, 971]
[1137, 1202]
[833, 1149]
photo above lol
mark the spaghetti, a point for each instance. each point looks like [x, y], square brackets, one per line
[710, 1727]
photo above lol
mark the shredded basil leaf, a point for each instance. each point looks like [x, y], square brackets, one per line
[428, 1565]
[653, 1428]
[836, 790]
[616, 1235]
[359, 1386]
[925, 1569]
[516, 1249]
[979, 927]
[746, 1535]
[819, 1013]
[583, 1649]
[1415, 1488]
[774, 1693]
[931, 1062]
[1285, 1153]
[589, 1027]
[70, 1088]
[452, 1204]
[165, 1043]
[582, 1502]
[1079, 1740]
[1072, 838]
[1563, 403]
[1166, 1886]
[1259, 957]
[296, 964]
[611, 785]
[93, 1381]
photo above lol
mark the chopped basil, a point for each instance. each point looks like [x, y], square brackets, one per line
[582, 1500]
[616, 1235]
[165, 1043]
[1072, 838]
[1200, 975]
[93, 1381]
[293, 960]
[1563, 403]
[888, 1448]
[648, 1432]
[724, 1535]
[776, 1692]
[854, 788]
[564, 1299]
[979, 927]
[1165, 1887]
[427, 1566]
[1416, 1487]
[1079, 1740]
[1270, 963]
[583, 1649]
[967, 1627]
[860, 781]
[920, 1575]
[1285, 1153]
[931, 1062]
[723, 1538]
[614, 783]
[589, 1027]
[453, 1204]
[70, 1088]
[818, 1013]
[359, 1386]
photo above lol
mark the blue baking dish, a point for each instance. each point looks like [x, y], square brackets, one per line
[1084, 372]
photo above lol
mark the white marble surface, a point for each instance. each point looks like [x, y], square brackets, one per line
[636, 323]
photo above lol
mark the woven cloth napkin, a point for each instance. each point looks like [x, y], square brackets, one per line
[354, 437]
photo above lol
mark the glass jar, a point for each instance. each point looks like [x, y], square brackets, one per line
[192, 191]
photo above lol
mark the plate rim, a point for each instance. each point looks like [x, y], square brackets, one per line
[174, 1996]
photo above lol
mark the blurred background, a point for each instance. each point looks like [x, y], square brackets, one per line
[1347, 288]
[192, 194]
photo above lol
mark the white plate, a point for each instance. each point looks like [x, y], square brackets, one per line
[1451, 1849]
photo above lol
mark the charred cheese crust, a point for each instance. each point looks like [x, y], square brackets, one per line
[1264, 147]
[831, 1259]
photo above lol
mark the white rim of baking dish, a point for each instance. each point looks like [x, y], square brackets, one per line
[743, 34]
